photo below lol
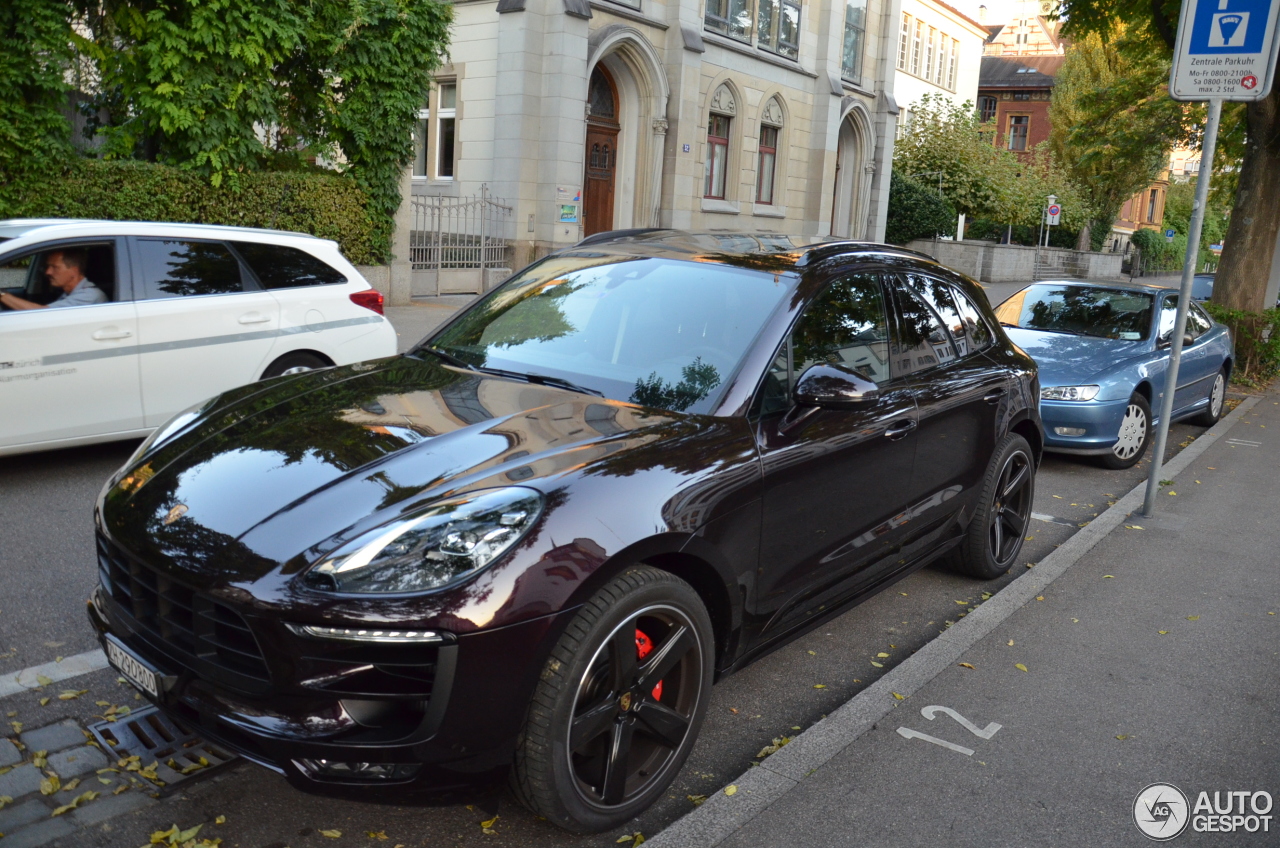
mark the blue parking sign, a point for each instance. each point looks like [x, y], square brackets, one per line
[1229, 26]
[1226, 50]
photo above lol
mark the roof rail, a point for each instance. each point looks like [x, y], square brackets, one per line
[617, 235]
[821, 251]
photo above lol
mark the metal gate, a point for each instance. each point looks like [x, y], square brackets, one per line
[459, 245]
[1056, 263]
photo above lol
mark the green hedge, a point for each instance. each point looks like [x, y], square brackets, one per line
[330, 206]
[916, 211]
[1257, 342]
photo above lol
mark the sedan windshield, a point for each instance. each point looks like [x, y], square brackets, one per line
[653, 331]
[1079, 310]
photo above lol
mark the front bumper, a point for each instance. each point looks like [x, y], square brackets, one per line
[448, 713]
[1100, 421]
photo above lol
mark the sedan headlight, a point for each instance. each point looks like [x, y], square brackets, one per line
[428, 549]
[1069, 392]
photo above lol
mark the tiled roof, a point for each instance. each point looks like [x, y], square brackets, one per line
[1019, 71]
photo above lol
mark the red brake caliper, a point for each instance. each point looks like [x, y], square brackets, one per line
[644, 645]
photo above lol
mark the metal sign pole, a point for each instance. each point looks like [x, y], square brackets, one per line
[1184, 302]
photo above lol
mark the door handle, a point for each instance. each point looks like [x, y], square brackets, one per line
[108, 335]
[254, 318]
[993, 396]
[899, 430]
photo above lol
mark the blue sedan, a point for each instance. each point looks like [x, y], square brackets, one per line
[1103, 352]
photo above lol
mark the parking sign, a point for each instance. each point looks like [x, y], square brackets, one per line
[1054, 212]
[1226, 50]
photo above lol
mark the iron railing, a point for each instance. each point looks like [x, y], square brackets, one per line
[451, 233]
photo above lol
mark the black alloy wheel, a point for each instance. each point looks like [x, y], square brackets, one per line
[619, 703]
[996, 532]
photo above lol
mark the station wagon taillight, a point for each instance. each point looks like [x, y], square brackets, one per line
[369, 299]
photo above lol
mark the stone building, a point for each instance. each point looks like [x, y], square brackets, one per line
[735, 115]
[1014, 92]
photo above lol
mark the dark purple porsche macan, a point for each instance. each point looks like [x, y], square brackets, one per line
[530, 545]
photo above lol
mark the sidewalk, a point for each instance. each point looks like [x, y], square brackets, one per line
[415, 321]
[1152, 657]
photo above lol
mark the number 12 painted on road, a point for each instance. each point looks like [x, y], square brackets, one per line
[931, 712]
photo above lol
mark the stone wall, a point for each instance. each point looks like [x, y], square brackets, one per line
[1012, 263]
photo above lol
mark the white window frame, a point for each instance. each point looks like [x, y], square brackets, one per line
[442, 115]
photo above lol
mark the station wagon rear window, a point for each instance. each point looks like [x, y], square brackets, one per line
[281, 267]
[1080, 310]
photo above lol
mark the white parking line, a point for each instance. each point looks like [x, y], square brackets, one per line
[69, 667]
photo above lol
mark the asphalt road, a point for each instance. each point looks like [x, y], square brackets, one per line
[46, 549]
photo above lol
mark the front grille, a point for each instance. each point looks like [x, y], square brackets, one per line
[179, 617]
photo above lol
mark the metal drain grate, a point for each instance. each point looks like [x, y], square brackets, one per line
[155, 738]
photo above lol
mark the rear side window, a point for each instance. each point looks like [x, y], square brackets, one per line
[977, 333]
[281, 267]
[922, 341]
[968, 332]
[187, 268]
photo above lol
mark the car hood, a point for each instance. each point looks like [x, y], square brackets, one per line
[1068, 360]
[287, 470]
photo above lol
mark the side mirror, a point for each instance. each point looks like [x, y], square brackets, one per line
[834, 387]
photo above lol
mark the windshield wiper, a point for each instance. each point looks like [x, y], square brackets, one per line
[560, 383]
[540, 379]
[447, 357]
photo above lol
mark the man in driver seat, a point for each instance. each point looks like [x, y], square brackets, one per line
[65, 270]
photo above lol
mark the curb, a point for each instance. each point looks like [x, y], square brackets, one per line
[758, 787]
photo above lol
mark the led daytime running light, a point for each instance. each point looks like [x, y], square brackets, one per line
[352, 634]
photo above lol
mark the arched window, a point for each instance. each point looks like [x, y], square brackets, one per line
[770, 130]
[719, 124]
[600, 98]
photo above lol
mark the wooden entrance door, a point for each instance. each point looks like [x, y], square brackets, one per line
[601, 154]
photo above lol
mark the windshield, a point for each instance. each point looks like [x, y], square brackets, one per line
[652, 331]
[1079, 310]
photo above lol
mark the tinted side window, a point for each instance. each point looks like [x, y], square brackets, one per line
[922, 342]
[281, 267]
[977, 333]
[846, 326]
[185, 268]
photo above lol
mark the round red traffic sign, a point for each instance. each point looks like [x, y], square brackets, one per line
[1055, 209]
[1249, 81]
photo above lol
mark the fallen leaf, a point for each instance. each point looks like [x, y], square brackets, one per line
[1059, 497]
[71, 784]
[105, 781]
[1123, 736]
[1173, 493]
[697, 800]
[376, 834]
[40, 759]
[42, 680]
[1107, 576]
[1020, 667]
[1193, 618]
[1163, 632]
[821, 685]
[44, 702]
[731, 789]
[733, 710]
[962, 603]
[1010, 643]
[490, 822]
[220, 820]
[882, 655]
[903, 594]
[5, 799]
[50, 784]
[795, 728]
[774, 747]
[332, 834]
[899, 697]
[1039, 597]
[966, 665]
[1075, 621]
[813, 653]
[877, 665]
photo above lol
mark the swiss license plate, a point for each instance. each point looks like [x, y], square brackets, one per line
[135, 670]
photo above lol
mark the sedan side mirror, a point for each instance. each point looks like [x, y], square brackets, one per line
[834, 387]
[1167, 340]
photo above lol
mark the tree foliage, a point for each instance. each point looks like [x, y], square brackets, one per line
[917, 211]
[1249, 135]
[1111, 147]
[224, 88]
[35, 56]
[948, 142]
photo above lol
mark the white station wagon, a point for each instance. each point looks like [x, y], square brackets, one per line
[186, 311]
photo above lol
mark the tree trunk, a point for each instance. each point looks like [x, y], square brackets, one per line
[1083, 242]
[1251, 237]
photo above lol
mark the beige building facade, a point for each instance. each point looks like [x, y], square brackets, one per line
[733, 115]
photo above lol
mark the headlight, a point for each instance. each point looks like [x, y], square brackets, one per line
[426, 550]
[1070, 393]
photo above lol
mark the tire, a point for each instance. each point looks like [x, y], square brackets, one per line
[994, 538]
[1217, 399]
[294, 363]
[1134, 436]
[587, 705]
